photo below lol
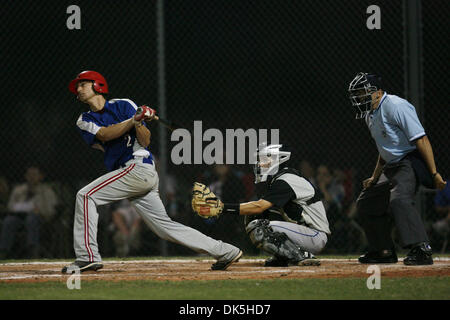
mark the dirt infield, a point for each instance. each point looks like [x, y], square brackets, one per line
[179, 270]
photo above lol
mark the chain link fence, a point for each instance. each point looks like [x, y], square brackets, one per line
[229, 64]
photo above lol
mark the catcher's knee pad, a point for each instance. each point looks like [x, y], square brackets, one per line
[276, 243]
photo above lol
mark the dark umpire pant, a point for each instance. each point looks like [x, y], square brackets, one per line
[392, 198]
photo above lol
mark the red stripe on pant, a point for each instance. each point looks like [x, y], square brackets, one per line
[86, 213]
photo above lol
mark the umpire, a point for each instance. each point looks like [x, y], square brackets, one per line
[405, 160]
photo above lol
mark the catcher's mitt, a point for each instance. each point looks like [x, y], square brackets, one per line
[204, 201]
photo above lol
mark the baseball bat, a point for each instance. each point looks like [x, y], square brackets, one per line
[167, 123]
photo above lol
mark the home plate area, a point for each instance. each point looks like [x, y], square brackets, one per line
[199, 269]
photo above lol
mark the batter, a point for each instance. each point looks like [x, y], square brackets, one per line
[117, 127]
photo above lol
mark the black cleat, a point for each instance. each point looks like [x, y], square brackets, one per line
[276, 262]
[223, 265]
[374, 257]
[308, 260]
[419, 255]
[82, 266]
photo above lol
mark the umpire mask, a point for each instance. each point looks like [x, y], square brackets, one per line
[360, 92]
[268, 160]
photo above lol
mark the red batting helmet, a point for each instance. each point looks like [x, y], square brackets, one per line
[100, 85]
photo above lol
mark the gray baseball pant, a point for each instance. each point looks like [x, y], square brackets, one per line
[407, 218]
[139, 183]
[308, 239]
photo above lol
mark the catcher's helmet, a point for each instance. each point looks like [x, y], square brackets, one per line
[99, 82]
[360, 92]
[268, 160]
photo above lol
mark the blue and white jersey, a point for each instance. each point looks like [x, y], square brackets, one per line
[394, 126]
[122, 149]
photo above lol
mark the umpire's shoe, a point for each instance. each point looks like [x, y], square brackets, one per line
[82, 266]
[374, 257]
[223, 265]
[419, 255]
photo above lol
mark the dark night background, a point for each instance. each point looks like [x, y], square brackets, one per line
[231, 64]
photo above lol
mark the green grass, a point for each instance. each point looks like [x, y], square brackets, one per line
[281, 289]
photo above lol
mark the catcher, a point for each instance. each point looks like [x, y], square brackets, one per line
[293, 224]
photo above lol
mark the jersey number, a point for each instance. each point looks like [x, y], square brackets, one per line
[128, 138]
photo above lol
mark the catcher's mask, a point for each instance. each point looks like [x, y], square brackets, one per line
[268, 160]
[360, 92]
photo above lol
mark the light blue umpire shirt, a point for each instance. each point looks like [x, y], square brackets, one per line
[394, 126]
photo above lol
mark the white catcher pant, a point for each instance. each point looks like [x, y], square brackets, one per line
[306, 238]
[139, 183]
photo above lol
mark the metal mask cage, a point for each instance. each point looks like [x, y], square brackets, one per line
[360, 93]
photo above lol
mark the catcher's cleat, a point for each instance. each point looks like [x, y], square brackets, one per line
[374, 257]
[276, 262]
[82, 266]
[310, 260]
[223, 265]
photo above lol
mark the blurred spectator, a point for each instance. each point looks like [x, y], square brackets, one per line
[307, 171]
[126, 225]
[170, 186]
[229, 187]
[171, 203]
[337, 185]
[4, 195]
[348, 183]
[248, 180]
[331, 187]
[31, 204]
[442, 207]
[333, 195]
[226, 185]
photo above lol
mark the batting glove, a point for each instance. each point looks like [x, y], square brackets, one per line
[144, 113]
